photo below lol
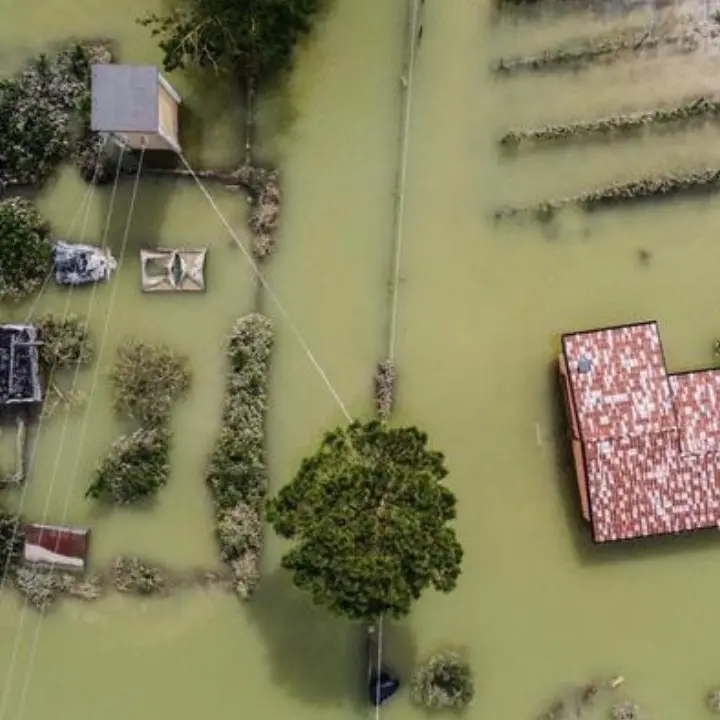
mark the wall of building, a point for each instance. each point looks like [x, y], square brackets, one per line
[152, 141]
[168, 114]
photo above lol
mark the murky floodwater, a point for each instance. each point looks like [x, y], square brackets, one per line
[481, 309]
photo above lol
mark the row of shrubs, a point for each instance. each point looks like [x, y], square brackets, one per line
[660, 185]
[616, 124]
[237, 473]
[147, 380]
[684, 36]
[42, 585]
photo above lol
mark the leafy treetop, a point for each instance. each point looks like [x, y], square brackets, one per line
[25, 249]
[369, 517]
[252, 38]
[147, 379]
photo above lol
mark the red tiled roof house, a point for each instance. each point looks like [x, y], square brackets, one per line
[646, 443]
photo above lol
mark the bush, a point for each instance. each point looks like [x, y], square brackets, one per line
[44, 109]
[40, 586]
[443, 682]
[237, 474]
[135, 469]
[147, 379]
[65, 341]
[131, 575]
[238, 531]
[25, 248]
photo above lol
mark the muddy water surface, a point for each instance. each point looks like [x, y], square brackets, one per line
[481, 308]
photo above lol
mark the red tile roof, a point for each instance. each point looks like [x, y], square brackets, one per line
[651, 440]
[697, 405]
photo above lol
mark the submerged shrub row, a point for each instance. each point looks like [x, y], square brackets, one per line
[237, 475]
[385, 377]
[45, 116]
[684, 36]
[42, 585]
[653, 186]
[699, 107]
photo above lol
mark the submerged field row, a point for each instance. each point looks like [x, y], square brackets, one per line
[615, 125]
[683, 35]
[654, 186]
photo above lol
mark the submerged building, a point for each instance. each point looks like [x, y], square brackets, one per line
[20, 384]
[646, 442]
[52, 545]
[136, 106]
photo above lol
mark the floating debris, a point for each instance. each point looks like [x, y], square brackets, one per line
[77, 264]
[626, 710]
[166, 270]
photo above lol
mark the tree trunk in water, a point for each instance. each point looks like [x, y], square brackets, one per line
[249, 119]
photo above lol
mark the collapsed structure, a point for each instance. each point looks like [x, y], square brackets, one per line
[172, 270]
[20, 385]
[646, 443]
[77, 264]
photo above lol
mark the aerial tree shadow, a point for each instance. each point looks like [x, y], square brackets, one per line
[148, 213]
[316, 657]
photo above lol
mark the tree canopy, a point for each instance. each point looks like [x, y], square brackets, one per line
[25, 249]
[369, 519]
[253, 38]
[135, 468]
[147, 379]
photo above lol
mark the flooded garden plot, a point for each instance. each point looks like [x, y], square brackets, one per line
[539, 611]
[333, 228]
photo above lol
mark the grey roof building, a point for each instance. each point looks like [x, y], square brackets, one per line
[136, 105]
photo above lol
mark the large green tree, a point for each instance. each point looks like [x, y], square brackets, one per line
[252, 38]
[369, 517]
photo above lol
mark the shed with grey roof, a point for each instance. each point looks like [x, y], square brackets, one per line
[136, 105]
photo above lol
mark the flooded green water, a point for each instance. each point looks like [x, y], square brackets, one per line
[481, 306]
